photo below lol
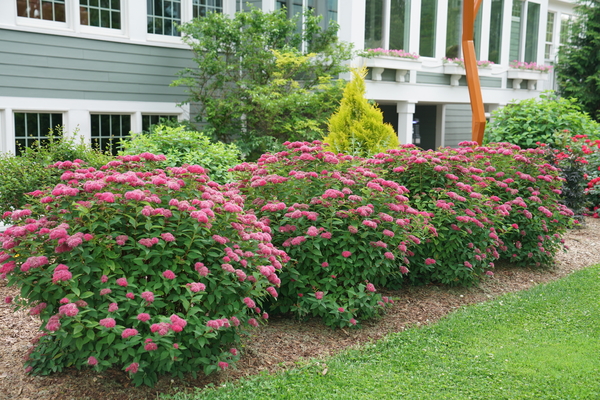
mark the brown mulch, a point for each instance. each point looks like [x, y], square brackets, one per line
[282, 342]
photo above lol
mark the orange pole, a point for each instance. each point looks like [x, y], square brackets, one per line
[470, 8]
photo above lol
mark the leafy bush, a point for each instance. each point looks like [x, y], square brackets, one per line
[131, 266]
[358, 127]
[28, 172]
[527, 122]
[181, 145]
[253, 84]
[345, 229]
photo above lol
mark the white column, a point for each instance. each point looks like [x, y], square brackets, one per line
[505, 45]
[77, 122]
[136, 16]
[351, 17]
[385, 28]
[441, 26]
[440, 123]
[136, 122]
[415, 27]
[486, 13]
[268, 5]
[8, 12]
[405, 109]
[542, 32]
[7, 127]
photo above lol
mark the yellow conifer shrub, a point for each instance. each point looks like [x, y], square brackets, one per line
[358, 128]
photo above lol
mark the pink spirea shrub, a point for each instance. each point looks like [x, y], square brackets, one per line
[486, 203]
[113, 253]
[346, 228]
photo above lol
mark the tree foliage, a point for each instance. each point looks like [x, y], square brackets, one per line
[578, 68]
[253, 83]
[358, 127]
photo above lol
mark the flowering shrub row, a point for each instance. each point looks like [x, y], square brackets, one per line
[139, 268]
[158, 270]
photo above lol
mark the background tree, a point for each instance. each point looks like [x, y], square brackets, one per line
[358, 127]
[578, 68]
[259, 81]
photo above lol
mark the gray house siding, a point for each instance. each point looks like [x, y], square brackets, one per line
[457, 124]
[53, 66]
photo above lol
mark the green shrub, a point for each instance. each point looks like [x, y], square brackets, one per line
[358, 127]
[527, 122]
[28, 172]
[153, 272]
[184, 146]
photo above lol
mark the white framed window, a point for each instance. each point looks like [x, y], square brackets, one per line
[566, 26]
[153, 119]
[107, 130]
[387, 24]
[164, 16]
[524, 31]
[549, 47]
[100, 13]
[427, 35]
[48, 10]
[32, 127]
[328, 9]
[201, 7]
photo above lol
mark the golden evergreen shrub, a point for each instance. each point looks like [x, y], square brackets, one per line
[358, 128]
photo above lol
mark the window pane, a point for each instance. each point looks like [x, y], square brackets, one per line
[532, 32]
[515, 31]
[164, 16]
[399, 24]
[108, 129]
[148, 120]
[428, 22]
[565, 27]
[454, 29]
[549, 35]
[103, 13]
[30, 128]
[373, 23]
[202, 7]
[32, 125]
[45, 124]
[477, 33]
[495, 43]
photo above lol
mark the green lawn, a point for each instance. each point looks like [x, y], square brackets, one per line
[543, 343]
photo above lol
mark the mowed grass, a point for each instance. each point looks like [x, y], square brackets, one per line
[543, 343]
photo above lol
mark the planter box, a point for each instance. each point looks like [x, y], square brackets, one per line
[520, 75]
[456, 71]
[400, 65]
